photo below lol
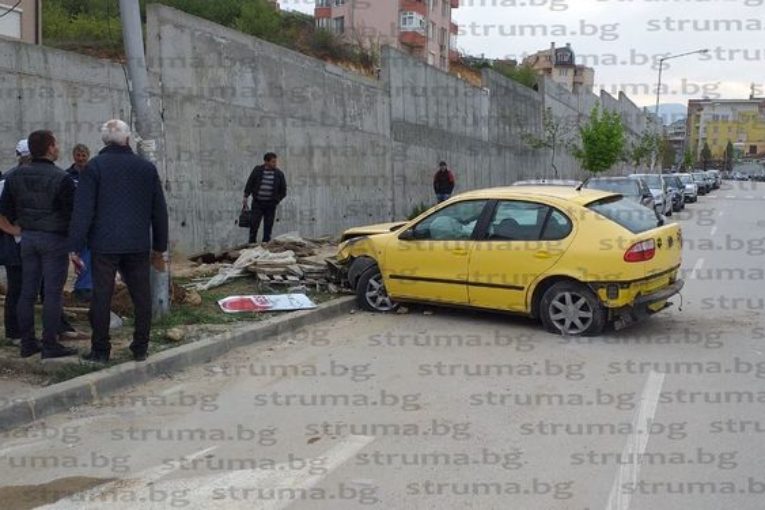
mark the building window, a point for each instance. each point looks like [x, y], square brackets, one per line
[339, 24]
[753, 150]
[339, 2]
[442, 37]
[562, 72]
[10, 23]
[445, 9]
[412, 21]
[323, 23]
[443, 63]
[323, 3]
[432, 30]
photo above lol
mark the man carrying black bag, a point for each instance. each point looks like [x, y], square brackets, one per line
[268, 187]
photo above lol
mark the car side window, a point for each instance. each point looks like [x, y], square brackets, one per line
[558, 227]
[517, 221]
[455, 222]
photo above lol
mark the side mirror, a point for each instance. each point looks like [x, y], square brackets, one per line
[407, 235]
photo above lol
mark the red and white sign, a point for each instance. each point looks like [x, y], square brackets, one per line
[263, 303]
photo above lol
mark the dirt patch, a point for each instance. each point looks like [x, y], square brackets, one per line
[25, 497]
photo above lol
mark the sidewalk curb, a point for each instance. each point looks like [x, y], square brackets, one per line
[85, 389]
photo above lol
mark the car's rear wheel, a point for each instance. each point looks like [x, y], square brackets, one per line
[371, 294]
[571, 309]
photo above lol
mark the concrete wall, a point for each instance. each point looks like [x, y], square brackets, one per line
[355, 150]
[71, 94]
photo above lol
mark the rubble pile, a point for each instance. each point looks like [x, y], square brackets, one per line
[287, 260]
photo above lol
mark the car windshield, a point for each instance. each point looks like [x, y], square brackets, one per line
[653, 181]
[623, 186]
[630, 215]
[686, 179]
[698, 177]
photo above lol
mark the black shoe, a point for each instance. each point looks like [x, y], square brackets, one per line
[28, 350]
[140, 356]
[57, 351]
[83, 295]
[96, 357]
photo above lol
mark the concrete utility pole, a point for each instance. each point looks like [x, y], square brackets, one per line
[145, 125]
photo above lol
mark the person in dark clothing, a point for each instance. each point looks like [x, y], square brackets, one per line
[10, 257]
[83, 286]
[268, 187]
[39, 197]
[120, 213]
[443, 182]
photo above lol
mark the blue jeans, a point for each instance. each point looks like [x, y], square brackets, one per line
[442, 196]
[43, 255]
[85, 278]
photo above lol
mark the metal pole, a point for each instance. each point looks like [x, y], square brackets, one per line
[140, 99]
[655, 155]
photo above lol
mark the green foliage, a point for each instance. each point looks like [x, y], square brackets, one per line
[641, 151]
[687, 160]
[667, 153]
[259, 19]
[524, 75]
[602, 141]
[706, 156]
[70, 25]
[729, 155]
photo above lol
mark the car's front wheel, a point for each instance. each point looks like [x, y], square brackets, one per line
[571, 309]
[371, 294]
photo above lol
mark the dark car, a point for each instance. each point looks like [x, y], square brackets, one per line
[676, 191]
[633, 189]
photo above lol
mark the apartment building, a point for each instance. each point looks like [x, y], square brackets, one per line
[423, 28]
[718, 121]
[676, 136]
[21, 22]
[559, 64]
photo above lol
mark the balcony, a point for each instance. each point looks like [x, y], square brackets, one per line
[454, 3]
[322, 12]
[454, 28]
[453, 55]
[414, 6]
[413, 38]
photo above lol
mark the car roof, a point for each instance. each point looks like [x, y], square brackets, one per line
[567, 193]
[611, 178]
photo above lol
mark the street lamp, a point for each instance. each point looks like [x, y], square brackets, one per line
[658, 88]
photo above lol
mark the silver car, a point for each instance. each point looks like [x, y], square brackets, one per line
[691, 188]
[661, 195]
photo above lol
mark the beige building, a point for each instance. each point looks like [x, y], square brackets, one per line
[719, 121]
[423, 28]
[22, 22]
[559, 64]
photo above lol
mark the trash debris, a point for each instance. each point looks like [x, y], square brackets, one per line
[261, 303]
[115, 321]
[192, 298]
[175, 335]
[402, 310]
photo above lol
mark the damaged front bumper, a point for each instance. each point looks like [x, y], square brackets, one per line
[645, 305]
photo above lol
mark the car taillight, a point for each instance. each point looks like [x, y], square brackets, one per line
[640, 252]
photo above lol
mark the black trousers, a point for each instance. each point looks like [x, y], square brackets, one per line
[265, 211]
[13, 293]
[135, 269]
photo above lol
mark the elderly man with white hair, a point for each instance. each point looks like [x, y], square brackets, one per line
[121, 215]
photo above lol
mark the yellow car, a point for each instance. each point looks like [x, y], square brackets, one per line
[576, 259]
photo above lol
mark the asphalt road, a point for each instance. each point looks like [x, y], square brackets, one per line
[448, 409]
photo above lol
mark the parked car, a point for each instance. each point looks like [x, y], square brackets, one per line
[661, 196]
[691, 191]
[702, 182]
[714, 178]
[676, 191]
[634, 189]
[547, 182]
[574, 259]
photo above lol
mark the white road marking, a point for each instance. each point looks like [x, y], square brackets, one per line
[172, 389]
[696, 269]
[636, 443]
[212, 492]
[110, 493]
[730, 196]
[713, 231]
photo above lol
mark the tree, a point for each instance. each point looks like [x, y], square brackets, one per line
[667, 154]
[706, 156]
[687, 160]
[641, 151]
[556, 134]
[602, 139]
[524, 75]
[729, 153]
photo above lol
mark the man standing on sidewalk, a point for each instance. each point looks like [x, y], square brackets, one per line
[443, 182]
[38, 198]
[83, 286]
[268, 187]
[121, 214]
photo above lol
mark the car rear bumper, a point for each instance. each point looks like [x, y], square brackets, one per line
[660, 295]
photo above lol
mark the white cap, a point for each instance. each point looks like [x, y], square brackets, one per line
[22, 148]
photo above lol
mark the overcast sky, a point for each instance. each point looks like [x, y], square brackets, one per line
[623, 39]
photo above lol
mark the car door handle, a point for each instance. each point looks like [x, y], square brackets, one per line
[460, 252]
[543, 255]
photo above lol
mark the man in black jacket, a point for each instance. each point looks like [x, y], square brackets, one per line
[268, 187]
[121, 214]
[38, 198]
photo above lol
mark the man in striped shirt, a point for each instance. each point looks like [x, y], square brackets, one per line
[268, 187]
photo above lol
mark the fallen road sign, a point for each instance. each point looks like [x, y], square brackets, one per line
[266, 303]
